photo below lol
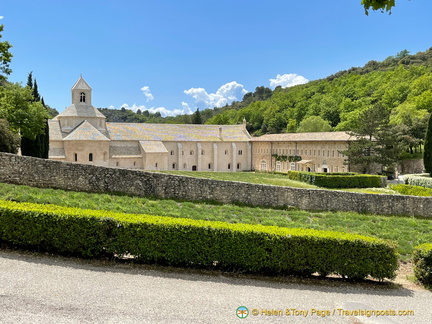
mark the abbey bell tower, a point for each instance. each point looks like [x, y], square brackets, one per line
[81, 93]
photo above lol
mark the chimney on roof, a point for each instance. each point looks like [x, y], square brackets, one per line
[244, 123]
[220, 133]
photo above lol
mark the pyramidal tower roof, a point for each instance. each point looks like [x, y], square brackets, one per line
[81, 84]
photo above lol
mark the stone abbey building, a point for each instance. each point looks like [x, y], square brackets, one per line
[81, 134]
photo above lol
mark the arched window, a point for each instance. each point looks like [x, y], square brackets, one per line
[240, 152]
[91, 157]
[278, 166]
[229, 166]
[172, 152]
[191, 152]
[209, 166]
[238, 166]
[173, 166]
[226, 152]
[75, 157]
[82, 97]
[202, 152]
[263, 165]
[156, 165]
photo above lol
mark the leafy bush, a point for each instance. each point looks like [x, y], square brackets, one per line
[186, 242]
[338, 180]
[421, 180]
[412, 190]
[422, 257]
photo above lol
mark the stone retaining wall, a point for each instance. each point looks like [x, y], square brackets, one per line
[81, 177]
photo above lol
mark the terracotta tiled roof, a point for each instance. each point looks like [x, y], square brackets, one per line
[306, 137]
[175, 132]
[85, 132]
[153, 147]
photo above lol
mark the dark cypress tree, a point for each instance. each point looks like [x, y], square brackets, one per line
[39, 146]
[197, 118]
[427, 154]
[36, 94]
[30, 80]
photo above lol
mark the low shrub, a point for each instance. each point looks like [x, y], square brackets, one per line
[338, 180]
[421, 180]
[187, 242]
[422, 257]
[411, 190]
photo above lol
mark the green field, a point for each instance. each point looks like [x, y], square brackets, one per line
[406, 231]
[275, 179]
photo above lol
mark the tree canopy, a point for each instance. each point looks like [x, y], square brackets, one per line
[5, 57]
[314, 124]
[17, 106]
[383, 5]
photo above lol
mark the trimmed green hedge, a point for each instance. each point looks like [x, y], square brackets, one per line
[338, 180]
[186, 242]
[412, 190]
[421, 180]
[422, 257]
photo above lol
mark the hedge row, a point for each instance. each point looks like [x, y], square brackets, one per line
[186, 242]
[412, 190]
[337, 180]
[421, 180]
[422, 257]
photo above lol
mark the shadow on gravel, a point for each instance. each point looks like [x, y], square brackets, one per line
[327, 284]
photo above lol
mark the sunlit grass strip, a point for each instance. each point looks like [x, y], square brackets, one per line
[187, 242]
[406, 231]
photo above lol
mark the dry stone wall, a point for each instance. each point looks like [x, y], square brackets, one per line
[81, 177]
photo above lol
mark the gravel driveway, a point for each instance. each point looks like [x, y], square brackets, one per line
[51, 289]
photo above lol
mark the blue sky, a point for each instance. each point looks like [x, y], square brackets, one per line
[176, 56]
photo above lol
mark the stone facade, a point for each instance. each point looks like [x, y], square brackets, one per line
[81, 134]
[81, 177]
[313, 152]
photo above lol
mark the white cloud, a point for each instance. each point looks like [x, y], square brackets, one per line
[226, 94]
[1, 17]
[287, 80]
[147, 93]
[162, 110]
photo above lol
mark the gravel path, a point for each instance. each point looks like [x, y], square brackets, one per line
[50, 289]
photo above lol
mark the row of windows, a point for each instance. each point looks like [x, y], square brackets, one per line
[210, 166]
[292, 166]
[90, 157]
[303, 152]
[192, 152]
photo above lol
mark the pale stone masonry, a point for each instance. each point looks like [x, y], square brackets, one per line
[82, 177]
[81, 134]
[313, 152]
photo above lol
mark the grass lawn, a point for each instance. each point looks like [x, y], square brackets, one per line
[250, 177]
[276, 179]
[406, 231]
